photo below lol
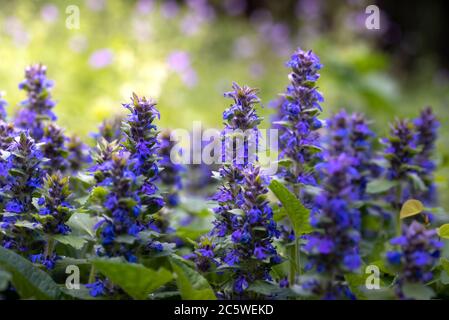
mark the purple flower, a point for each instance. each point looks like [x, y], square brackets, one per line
[418, 252]
[38, 105]
[101, 58]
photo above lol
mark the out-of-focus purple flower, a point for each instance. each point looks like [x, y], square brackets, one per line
[145, 6]
[50, 13]
[96, 5]
[16, 30]
[235, 7]
[169, 9]
[170, 175]
[179, 62]
[3, 105]
[101, 58]
[426, 127]
[418, 251]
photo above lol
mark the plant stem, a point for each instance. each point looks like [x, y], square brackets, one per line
[398, 209]
[49, 246]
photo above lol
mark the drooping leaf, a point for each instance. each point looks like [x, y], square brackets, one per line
[417, 291]
[379, 186]
[29, 281]
[135, 279]
[410, 208]
[191, 284]
[71, 240]
[298, 215]
[83, 223]
[443, 231]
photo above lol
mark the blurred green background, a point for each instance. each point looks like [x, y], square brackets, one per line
[185, 54]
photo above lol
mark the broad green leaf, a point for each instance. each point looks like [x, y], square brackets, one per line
[29, 281]
[445, 264]
[191, 284]
[264, 288]
[298, 214]
[417, 291]
[5, 278]
[410, 208]
[73, 241]
[135, 279]
[443, 231]
[380, 186]
[83, 222]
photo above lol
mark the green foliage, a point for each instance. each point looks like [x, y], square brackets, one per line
[191, 284]
[135, 279]
[298, 215]
[29, 281]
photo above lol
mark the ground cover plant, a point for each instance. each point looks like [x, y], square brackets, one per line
[351, 213]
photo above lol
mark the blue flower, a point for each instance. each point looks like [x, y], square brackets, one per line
[417, 253]
[96, 288]
[394, 257]
[38, 106]
[14, 206]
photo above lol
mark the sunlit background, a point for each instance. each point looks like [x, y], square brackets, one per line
[185, 54]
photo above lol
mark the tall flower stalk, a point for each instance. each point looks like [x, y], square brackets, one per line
[334, 250]
[54, 211]
[298, 121]
[23, 181]
[426, 127]
[37, 108]
[417, 251]
[244, 229]
[400, 153]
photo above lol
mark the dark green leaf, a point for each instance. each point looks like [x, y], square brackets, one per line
[135, 279]
[380, 186]
[191, 284]
[29, 281]
[298, 214]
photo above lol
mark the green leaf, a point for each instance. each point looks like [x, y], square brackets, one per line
[134, 279]
[445, 264]
[380, 186]
[410, 208]
[73, 241]
[443, 231]
[5, 278]
[83, 223]
[264, 288]
[298, 214]
[417, 291]
[191, 284]
[29, 281]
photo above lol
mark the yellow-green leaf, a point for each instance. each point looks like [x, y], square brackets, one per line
[411, 207]
[443, 231]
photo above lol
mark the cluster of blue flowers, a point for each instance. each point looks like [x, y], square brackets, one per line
[37, 108]
[417, 252]
[335, 249]
[54, 211]
[23, 179]
[244, 229]
[426, 127]
[297, 119]
[128, 172]
[170, 175]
